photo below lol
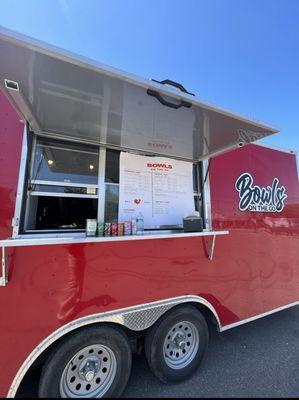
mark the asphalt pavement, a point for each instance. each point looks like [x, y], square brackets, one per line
[258, 359]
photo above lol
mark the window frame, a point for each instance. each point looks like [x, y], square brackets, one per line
[58, 183]
[37, 193]
[21, 213]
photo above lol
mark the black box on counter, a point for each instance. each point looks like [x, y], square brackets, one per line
[192, 224]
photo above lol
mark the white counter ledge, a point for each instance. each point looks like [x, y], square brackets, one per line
[39, 241]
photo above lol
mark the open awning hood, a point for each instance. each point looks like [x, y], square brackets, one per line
[69, 96]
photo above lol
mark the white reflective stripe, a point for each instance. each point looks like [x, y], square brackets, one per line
[244, 321]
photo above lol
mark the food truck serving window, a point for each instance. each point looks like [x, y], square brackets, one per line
[63, 186]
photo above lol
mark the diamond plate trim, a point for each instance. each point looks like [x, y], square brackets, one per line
[139, 321]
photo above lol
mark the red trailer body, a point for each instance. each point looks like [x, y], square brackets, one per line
[53, 288]
[255, 269]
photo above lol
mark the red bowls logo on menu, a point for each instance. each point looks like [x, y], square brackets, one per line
[137, 201]
[159, 165]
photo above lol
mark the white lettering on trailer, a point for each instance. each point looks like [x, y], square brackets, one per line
[260, 199]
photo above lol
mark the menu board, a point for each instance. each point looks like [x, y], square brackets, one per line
[159, 188]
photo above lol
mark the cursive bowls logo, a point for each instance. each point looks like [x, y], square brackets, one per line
[262, 199]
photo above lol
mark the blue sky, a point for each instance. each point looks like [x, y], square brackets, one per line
[240, 55]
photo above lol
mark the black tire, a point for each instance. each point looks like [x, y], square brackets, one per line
[110, 336]
[156, 335]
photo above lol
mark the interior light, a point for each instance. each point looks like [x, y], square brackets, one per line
[50, 162]
[91, 167]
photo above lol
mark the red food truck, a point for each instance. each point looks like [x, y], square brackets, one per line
[84, 145]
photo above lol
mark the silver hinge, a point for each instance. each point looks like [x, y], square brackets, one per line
[15, 227]
[15, 222]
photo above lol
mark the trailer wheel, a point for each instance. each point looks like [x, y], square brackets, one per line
[176, 344]
[93, 362]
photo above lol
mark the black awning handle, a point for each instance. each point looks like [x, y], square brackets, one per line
[166, 103]
[175, 84]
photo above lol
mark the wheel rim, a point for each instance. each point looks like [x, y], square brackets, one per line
[90, 373]
[181, 345]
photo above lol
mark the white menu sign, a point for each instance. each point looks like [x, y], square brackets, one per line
[159, 188]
